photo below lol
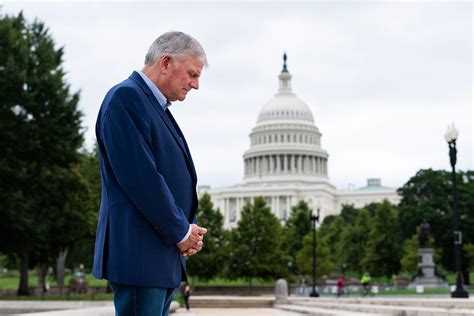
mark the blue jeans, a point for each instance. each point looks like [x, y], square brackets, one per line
[141, 301]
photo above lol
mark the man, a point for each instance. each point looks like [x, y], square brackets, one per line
[147, 221]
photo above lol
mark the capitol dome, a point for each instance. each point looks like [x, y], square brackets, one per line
[285, 105]
[285, 144]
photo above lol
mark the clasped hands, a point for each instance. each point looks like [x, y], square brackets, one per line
[194, 242]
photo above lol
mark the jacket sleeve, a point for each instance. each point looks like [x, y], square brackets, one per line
[125, 135]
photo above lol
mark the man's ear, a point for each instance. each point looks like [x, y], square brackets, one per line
[165, 62]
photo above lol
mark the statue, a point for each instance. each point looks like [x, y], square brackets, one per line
[424, 235]
[427, 274]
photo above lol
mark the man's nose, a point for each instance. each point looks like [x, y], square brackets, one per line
[195, 84]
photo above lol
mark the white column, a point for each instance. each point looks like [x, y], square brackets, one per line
[272, 167]
[288, 206]
[277, 207]
[226, 210]
[267, 164]
[285, 163]
[292, 163]
[314, 164]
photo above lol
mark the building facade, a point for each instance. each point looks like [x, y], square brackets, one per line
[286, 163]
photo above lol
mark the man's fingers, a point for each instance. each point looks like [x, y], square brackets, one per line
[199, 230]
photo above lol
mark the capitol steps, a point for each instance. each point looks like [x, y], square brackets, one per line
[395, 307]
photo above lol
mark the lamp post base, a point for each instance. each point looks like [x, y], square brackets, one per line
[314, 294]
[459, 293]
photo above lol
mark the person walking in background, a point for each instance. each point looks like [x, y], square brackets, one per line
[147, 221]
[341, 284]
[186, 293]
[366, 282]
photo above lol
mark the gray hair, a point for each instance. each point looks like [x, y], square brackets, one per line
[176, 44]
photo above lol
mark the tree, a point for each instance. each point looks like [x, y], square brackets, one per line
[349, 214]
[469, 250]
[354, 242]
[383, 251]
[256, 244]
[304, 257]
[331, 231]
[296, 227]
[409, 261]
[40, 130]
[82, 250]
[211, 260]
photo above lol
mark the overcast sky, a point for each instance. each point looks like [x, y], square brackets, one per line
[383, 79]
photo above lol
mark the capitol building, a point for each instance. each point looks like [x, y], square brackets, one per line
[286, 163]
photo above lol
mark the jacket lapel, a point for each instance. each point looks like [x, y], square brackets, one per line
[172, 125]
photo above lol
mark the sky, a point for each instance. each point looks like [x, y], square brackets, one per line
[382, 79]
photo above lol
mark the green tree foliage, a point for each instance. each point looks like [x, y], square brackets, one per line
[349, 214]
[409, 261]
[428, 195]
[304, 257]
[331, 231]
[257, 244]
[83, 249]
[469, 250]
[383, 251]
[296, 227]
[210, 262]
[351, 247]
[40, 128]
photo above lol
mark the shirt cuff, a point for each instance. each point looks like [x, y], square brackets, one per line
[187, 235]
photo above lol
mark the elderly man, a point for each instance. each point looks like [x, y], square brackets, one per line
[147, 221]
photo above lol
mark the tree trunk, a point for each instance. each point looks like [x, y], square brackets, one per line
[60, 270]
[23, 288]
[42, 270]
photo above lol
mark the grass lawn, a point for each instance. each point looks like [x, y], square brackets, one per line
[11, 281]
[72, 297]
[221, 281]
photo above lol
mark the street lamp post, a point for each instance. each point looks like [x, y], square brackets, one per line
[451, 136]
[314, 218]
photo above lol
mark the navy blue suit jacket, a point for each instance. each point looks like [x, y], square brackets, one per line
[148, 189]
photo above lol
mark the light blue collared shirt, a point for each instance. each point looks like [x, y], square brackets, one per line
[156, 92]
[164, 104]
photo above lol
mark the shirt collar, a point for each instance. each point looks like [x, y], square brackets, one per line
[156, 92]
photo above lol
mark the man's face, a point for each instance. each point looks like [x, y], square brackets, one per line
[182, 76]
